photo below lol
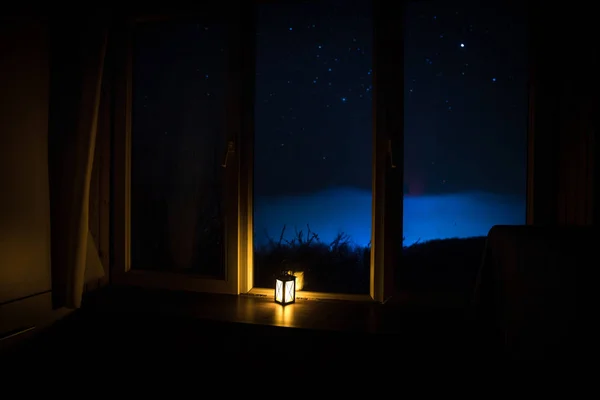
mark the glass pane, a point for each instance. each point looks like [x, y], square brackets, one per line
[313, 144]
[178, 144]
[465, 136]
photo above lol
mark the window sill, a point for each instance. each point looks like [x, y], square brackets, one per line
[258, 308]
[307, 295]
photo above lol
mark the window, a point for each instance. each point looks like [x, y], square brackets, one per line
[308, 132]
[465, 136]
[223, 139]
[313, 145]
[178, 139]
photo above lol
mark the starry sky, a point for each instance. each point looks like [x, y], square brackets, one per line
[465, 98]
[465, 92]
[313, 115]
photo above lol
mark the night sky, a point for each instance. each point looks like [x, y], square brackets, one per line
[313, 97]
[465, 124]
[465, 96]
[465, 118]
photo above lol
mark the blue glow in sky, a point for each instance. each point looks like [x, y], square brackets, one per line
[349, 210]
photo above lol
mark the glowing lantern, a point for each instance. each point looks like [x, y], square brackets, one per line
[285, 289]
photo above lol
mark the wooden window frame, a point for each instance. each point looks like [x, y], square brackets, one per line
[386, 225]
[388, 150]
[121, 270]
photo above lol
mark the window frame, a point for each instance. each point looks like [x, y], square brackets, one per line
[121, 269]
[388, 150]
[386, 225]
[240, 273]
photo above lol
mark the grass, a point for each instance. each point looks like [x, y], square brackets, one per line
[337, 266]
[340, 266]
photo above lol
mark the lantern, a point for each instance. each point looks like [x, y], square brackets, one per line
[285, 289]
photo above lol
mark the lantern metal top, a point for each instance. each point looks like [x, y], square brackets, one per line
[285, 276]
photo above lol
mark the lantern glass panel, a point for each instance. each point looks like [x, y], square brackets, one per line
[290, 291]
[279, 291]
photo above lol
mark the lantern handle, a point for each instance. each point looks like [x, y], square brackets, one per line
[284, 270]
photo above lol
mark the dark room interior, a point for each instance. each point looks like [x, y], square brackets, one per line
[163, 198]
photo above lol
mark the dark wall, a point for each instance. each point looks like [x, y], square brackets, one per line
[564, 145]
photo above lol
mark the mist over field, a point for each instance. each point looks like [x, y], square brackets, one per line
[349, 210]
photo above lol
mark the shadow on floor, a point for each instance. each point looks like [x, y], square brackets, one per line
[117, 327]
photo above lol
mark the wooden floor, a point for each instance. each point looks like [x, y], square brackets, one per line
[125, 324]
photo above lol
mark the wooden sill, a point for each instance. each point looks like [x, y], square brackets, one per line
[307, 295]
[352, 316]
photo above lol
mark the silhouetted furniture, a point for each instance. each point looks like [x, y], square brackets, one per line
[527, 287]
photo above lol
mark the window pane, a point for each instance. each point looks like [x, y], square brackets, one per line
[313, 144]
[178, 142]
[465, 135]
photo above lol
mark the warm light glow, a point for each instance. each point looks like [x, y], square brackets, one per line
[299, 279]
[279, 291]
[290, 294]
[285, 315]
[285, 292]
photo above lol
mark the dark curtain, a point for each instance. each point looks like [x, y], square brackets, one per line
[77, 54]
[563, 169]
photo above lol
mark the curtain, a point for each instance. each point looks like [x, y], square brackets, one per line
[563, 148]
[77, 61]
